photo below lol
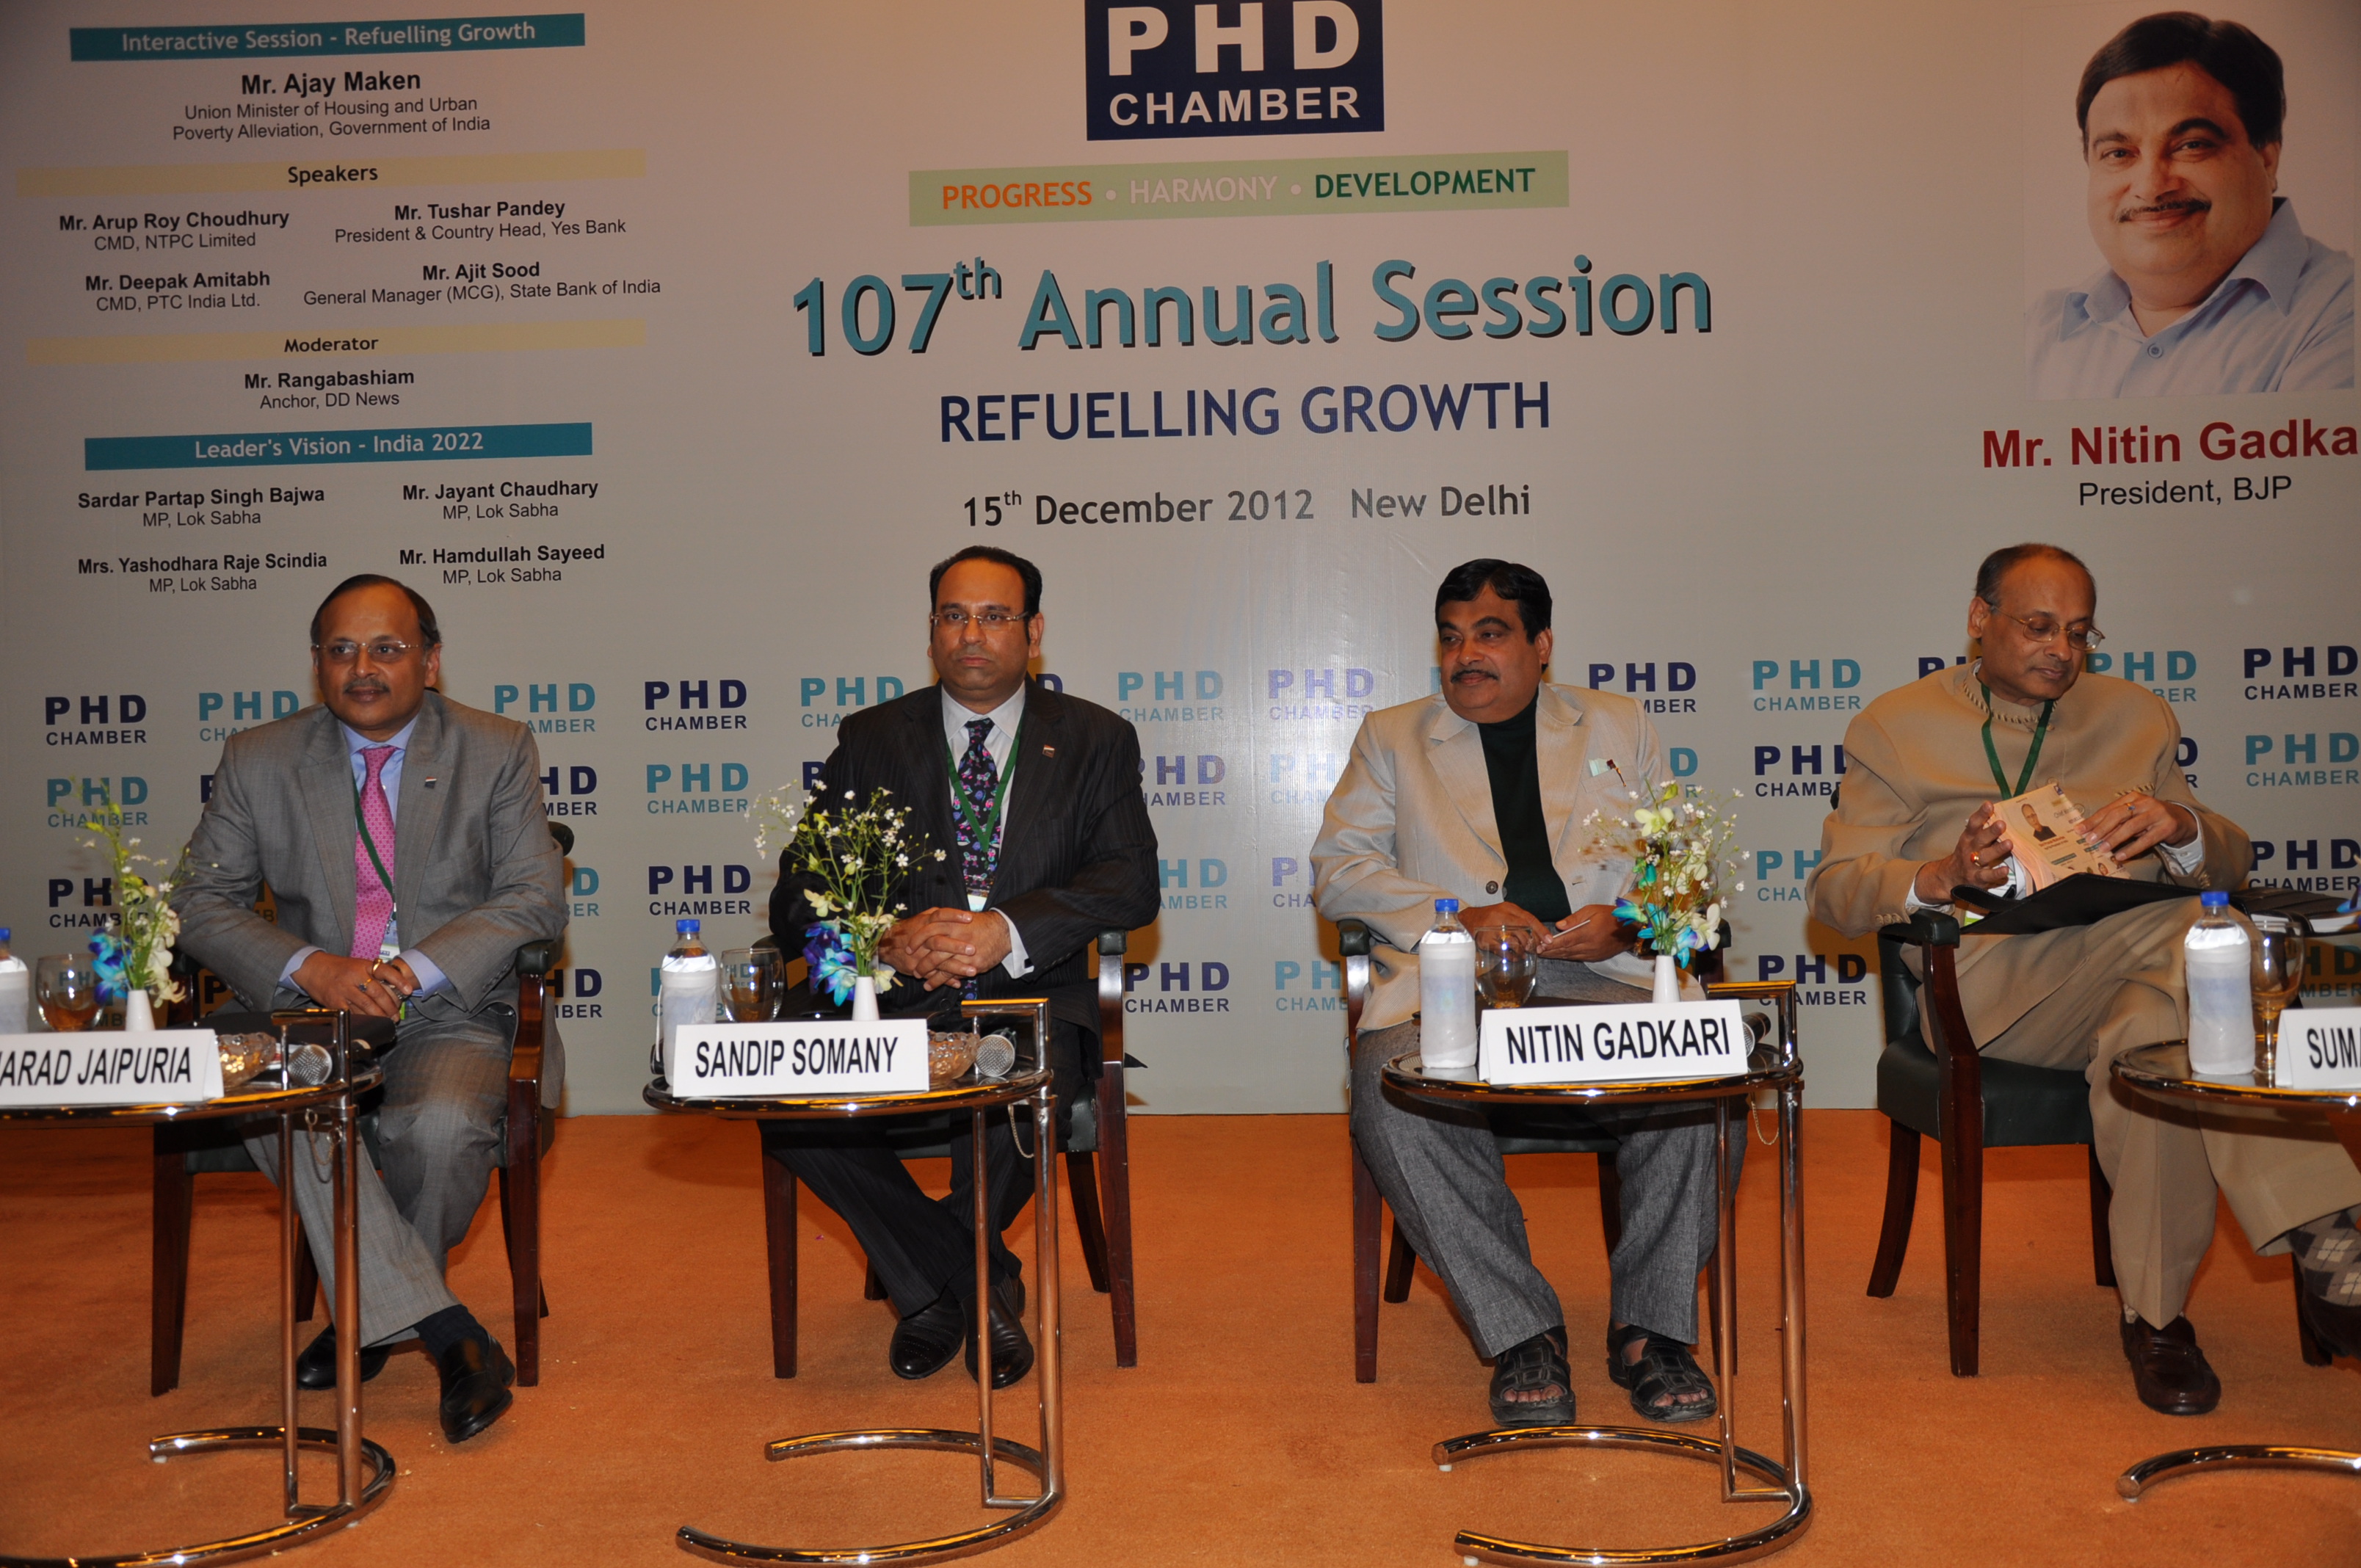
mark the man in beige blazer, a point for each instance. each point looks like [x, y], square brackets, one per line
[1916, 816]
[1479, 793]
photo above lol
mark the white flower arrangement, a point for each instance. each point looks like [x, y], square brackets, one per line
[1674, 842]
[861, 852]
[137, 955]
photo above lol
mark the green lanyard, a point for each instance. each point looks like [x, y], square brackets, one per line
[394, 919]
[986, 828]
[1992, 755]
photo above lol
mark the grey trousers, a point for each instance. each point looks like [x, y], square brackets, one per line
[1442, 1175]
[439, 1138]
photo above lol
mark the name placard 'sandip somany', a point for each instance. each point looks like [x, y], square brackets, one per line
[829, 1057]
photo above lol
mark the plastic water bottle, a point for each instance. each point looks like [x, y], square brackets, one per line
[690, 988]
[2221, 991]
[16, 988]
[1446, 991]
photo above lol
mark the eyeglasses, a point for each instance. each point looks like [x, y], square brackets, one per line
[991, 619]
[2041, 628]
[384, 651]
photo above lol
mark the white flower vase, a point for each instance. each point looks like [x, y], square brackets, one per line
[864, 999]
[136, 1017]
[1668, 981]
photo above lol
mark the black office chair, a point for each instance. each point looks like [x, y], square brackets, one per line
[1933, 1081]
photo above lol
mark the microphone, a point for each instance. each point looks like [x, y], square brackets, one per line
[994, 1054]
[308, 1064]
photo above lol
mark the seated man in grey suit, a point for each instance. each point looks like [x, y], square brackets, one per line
[1479, 794]
[404, 844]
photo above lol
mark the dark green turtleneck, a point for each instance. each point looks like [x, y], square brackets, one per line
[1512, 761]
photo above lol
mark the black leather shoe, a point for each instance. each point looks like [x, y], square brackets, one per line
[476, 1377]
[2169, 1371]
[925, 1341]
[315, 1366]
[2338, 1328]
[1012, 1353]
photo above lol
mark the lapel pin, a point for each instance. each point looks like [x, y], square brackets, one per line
[430, 782]
[1048, 750]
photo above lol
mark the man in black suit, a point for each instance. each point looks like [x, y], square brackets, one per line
[1035, 796]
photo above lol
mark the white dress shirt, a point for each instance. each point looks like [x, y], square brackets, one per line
[1001, 741]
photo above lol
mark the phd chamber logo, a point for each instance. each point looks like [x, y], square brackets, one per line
[1242, 68]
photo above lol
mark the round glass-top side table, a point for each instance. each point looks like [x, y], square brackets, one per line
[364, 1471]
[1027, 1083]
[2163, 1070]
[1777, 1069]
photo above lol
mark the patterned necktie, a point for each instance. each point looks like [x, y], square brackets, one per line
[373, 906]
[980, 783]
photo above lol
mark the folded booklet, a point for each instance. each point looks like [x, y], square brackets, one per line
[2044, 829]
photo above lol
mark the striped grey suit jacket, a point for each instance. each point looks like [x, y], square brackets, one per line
[476, 872]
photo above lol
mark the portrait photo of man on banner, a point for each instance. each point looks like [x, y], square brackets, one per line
[2210, 283]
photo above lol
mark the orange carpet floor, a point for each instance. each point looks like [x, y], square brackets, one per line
[1240, 1437]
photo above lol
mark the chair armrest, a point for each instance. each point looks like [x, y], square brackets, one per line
[533, 963]
[1112, 946]
[1943, 1022]
[1926, 928]
[1355, 941]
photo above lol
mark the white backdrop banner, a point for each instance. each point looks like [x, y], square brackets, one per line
[664, 349]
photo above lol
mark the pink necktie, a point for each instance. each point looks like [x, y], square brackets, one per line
[373, 907]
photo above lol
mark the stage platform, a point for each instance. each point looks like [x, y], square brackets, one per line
[1240, 1437]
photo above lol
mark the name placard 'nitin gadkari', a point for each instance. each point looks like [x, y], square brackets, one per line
[1608, 1044]
[814, 1057]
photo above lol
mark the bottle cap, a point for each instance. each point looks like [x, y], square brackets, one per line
[1446, 906]
[2215, 899]
[684, 927]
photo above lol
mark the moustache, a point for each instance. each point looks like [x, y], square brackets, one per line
[1473, 673]
[2187, 204]
[364, 688]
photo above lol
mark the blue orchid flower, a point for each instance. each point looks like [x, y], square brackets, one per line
[111, 953]
[830, 958]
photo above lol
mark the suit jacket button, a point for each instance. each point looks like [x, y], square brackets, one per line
[1491, 887]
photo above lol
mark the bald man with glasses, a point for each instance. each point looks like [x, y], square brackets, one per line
[1918, 816]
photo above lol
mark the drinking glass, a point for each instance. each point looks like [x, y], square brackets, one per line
[1504, 968]
[66, 985]
[2280, 956]
[749, 981]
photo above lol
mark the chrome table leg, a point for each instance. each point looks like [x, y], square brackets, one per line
[2244, 1456]
[1046, 1462]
